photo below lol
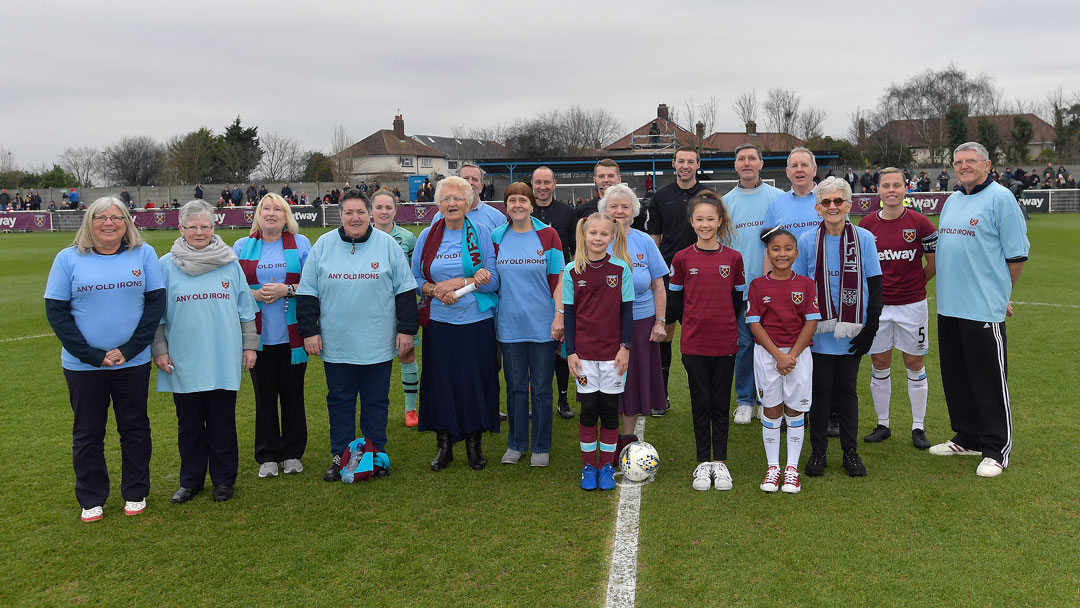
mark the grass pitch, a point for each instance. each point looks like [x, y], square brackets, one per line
[918, 530]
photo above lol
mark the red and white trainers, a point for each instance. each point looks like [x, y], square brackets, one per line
[989, 468]
[771, 483]
[411, 418]
[134, 507]
[791, 481]
[92, 514]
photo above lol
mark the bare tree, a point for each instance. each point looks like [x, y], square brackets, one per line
[341, 163]
[746, 106]
[82, 163]
[857, 126]
[782, 112]
[134, 161]
[282, 158]
[7, 161]
[690, 114]
[585, 128]
[810, 124]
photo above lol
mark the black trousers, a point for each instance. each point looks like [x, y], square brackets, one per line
[974, 372]
[206, 435]
[710, 402]
[90, 393]
[274, 376]
[836, 379]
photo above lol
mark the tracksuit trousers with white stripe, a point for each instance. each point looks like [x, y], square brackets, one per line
[974, 368]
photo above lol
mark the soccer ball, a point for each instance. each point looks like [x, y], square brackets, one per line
[639, 461]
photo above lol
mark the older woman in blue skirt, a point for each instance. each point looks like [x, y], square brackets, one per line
[455, 271]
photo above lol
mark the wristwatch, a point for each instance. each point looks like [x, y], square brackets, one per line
[625, 345]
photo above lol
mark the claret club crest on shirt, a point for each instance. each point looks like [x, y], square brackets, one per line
[374, 265]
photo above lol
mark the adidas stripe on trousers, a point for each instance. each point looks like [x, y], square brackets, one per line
[974, 370]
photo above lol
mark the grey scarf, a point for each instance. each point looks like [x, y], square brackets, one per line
[197, 261]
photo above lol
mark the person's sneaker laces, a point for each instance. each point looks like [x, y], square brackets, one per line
[880, 433]
[92, 514]
[771, 483]
[853, 464]
[989, 468]
[134, 507]
[743, 414]
[703, 476]
[815, 467]
[292, 466]
[721, 476]
[268, 469]
[606, 479]
[952, 449]
[588, 477]
[791, 481]
[919, 440]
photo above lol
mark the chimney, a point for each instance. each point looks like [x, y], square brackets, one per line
[700, 129]
[751, 128]
[661, 111]
[399, 127]
[862, 130]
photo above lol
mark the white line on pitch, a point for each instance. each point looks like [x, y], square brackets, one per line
[1047, 304]
[622, 578]
[25, 338]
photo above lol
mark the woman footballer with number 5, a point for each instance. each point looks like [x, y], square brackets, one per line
[783, 315]
[598, 298]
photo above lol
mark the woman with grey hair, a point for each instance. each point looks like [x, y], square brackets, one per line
[644, 392]
[842, 259]
[207, 335]
[104, 298]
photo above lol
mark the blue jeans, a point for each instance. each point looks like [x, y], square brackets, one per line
[745, 390]
[346, 381]
[525, 365]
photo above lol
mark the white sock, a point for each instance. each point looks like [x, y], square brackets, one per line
[917, 390]
[796, 430]
[881, 392]
[770, 435]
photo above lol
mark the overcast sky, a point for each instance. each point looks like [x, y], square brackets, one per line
[88, 73]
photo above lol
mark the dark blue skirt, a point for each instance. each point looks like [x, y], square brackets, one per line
[459, 385]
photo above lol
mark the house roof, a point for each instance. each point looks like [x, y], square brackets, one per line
[727, 142]
[385, 142]
[667, 127]
[907, 131]
[462, 148]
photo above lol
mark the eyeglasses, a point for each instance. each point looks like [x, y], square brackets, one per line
[452, 199]
[100, 219]
[971, 162]
[834, 202]
[198, 228]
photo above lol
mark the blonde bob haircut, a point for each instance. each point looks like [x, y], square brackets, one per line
[581, 254]
[84, 238]
[269, 199]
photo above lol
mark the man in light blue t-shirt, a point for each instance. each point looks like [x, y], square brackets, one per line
[747, 204]
[982, 247]
[795, 210]
[479, 213]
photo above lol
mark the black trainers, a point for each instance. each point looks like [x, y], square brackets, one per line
[334, 472]
[834, 427]
[880, 433]
[815, 467]
[853, 464]
[919, 440]
[564, 408]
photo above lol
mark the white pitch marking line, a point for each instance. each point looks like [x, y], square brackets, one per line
[1047, 304]
[622, 578]
[25, 338]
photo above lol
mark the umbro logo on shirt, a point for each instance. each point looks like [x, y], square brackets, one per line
[693, 271]
[766, 299]
[582, 283]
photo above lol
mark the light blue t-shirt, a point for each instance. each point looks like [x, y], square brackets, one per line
[271, 269]
[976, 234]
[202, 324]
[357, 286]
[484, 215]
[826, 343]
[748, 208]
[526, 308]
[796, 214]
[106, 294]
[448, 265]
[648, 264]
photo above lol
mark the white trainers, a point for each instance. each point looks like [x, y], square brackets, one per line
[292, 466]
[771, 483]
[268, 469]
[952, 449]
[92, 514]
[989, 468]
[134, 507]
[791, 481]
[703, 476]
[721, 476]
[743, 414]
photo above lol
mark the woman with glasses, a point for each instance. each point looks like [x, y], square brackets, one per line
[459, 386]
[357, 311]
[842, 259]
[207, 335]
[104, 299]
